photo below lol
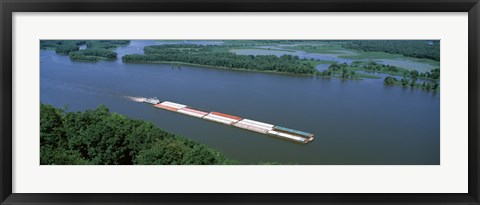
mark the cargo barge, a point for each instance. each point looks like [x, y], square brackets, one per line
[231, 120]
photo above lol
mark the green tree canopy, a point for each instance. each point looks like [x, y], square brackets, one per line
[99, 136]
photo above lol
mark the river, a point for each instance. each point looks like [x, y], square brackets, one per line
[354, 121]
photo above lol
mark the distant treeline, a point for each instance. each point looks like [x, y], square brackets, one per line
[411, 48]
[344, 70]
[107, 44]
[96, 49]
[93, 54]
[405, 82]
[266, 42]
[61, 46]
[100, 137]
[408, 78]
[208, 56]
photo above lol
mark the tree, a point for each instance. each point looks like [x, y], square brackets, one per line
[93, 55]
[352, 74]
[66, 48]
[411, 48]
[51, 126]
[404, 82]
[210, 56]
[413, 82]
[390, 80]
[414, 74]
[344, 73]
[200, 154]
[100, 137]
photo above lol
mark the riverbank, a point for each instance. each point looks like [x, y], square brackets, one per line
[317, 74]
[173, 63]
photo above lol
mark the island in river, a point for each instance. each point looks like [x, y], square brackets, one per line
[367, 102]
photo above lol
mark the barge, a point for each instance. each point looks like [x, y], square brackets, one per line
[231, 120]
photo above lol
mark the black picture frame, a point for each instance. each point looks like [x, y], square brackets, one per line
[9, 6]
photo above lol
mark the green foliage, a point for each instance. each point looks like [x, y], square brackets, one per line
[60, 156]
[414, 74]
[61, 46]
[411, 48]
[348, 71]
[101, 137]
[50, 126]
[96, 49]
[201, 154]
[334, 48]
[404, 82]
[67, 48]
[211, 56]
[390, 80]
[169, 151]
[270, 163]
[373, 48]
[106, 44]
[372, 66]
[263, 42]
[434, 74]
[342, 70]
[93, 54]
[413, 82]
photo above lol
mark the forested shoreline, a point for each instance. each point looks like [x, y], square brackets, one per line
[412, 48]
[95, 50]
[101, 137]
[93, 55]
[208, 56]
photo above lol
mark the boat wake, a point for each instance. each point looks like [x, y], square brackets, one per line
[153, 100]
